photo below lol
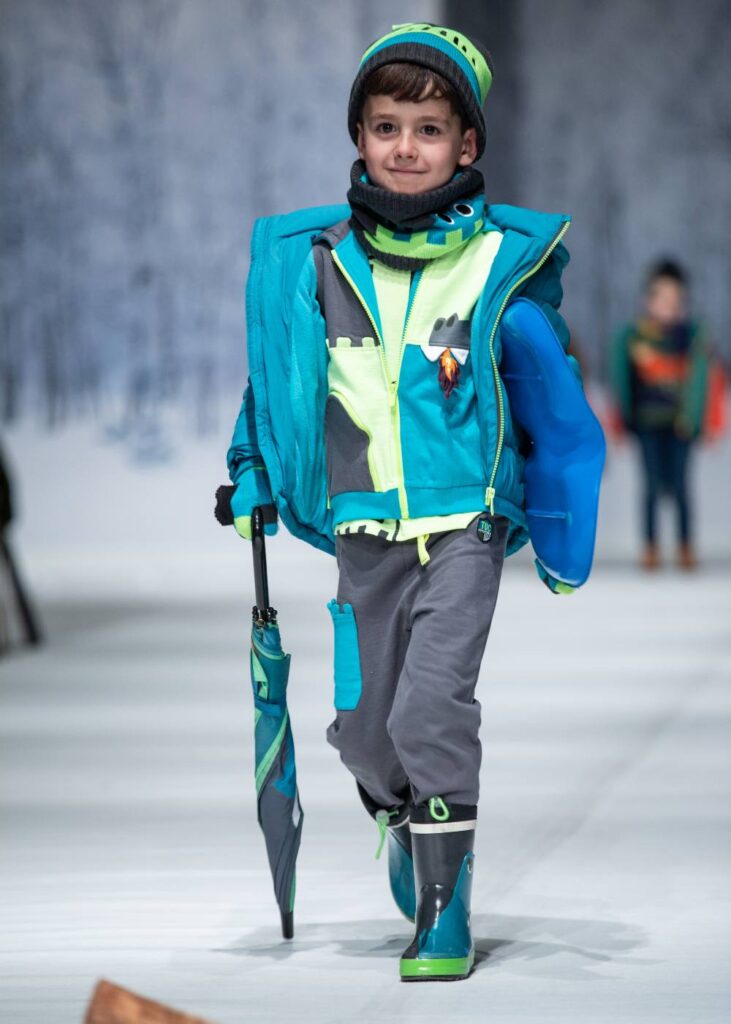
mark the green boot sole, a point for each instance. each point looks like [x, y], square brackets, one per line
[452, 969]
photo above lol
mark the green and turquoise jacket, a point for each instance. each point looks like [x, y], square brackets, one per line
[341, 417]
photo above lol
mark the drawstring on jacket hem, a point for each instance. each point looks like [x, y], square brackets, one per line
[421, 547]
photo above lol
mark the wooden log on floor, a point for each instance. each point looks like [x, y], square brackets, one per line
[111, 1004]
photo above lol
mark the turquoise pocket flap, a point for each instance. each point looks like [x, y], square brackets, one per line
[348, 680]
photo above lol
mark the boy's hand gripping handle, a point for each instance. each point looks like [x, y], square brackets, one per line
[262, 611]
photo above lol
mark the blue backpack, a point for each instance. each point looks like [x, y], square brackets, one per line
[563, 470]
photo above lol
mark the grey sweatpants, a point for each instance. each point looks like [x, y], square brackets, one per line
[407, 713]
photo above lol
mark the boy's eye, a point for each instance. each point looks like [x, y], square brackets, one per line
[387, 128]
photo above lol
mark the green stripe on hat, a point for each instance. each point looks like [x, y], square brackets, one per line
[449, 41]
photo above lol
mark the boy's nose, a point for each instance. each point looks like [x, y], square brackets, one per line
[405, 146]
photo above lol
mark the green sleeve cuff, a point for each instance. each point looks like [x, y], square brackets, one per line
[554, 585]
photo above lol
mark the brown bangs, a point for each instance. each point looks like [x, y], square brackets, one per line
[412, 83]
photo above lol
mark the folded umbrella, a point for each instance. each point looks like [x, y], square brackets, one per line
[279, 811]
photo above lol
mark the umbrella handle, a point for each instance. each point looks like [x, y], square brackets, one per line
[262, 609]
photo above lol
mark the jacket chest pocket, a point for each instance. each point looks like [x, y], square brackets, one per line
[348, 448]
[448, 333]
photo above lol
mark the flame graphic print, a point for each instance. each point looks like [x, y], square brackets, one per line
[448, 372]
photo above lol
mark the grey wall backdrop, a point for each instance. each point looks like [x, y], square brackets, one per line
[625, 123]
[617, 112]
[139, 140]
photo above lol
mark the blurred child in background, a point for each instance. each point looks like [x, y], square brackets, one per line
[659, 374]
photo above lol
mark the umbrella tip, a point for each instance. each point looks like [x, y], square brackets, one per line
[287, 924]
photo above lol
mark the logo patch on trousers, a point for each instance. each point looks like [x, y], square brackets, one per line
[484, 529]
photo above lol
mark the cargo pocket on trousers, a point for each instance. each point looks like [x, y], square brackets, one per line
[348, 680]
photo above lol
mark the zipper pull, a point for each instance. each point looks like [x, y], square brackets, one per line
[490, 499]
[392, 388]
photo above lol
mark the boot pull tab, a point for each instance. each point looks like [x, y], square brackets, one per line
[444, 812]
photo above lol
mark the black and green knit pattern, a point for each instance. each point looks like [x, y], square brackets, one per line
[407, 231]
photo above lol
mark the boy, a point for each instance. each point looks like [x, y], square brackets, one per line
[375, 417]
[659, 374]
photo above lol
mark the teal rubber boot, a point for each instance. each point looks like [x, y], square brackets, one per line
[401, 866]
[443, 837]
[393, 826]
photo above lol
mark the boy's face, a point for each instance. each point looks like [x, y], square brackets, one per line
[666, 301]
[412, 147]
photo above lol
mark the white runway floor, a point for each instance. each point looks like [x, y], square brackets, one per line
[130, 848]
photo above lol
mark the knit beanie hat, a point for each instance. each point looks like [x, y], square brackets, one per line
[465, 63]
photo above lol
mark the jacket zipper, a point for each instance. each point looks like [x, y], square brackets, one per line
[490, 492]
[391, 386]
[396, 412]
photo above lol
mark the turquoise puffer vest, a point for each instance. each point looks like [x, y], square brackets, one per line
[283, 417]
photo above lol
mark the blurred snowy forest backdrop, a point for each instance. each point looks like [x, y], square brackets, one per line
[139, 141]
[141, 138]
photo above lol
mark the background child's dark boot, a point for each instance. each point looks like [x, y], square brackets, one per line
[393, 823]
[687, 558]
[443, 837]
[650, 557]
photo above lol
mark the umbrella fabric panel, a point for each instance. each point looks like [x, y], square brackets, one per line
[278, 807]
[283, 817]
